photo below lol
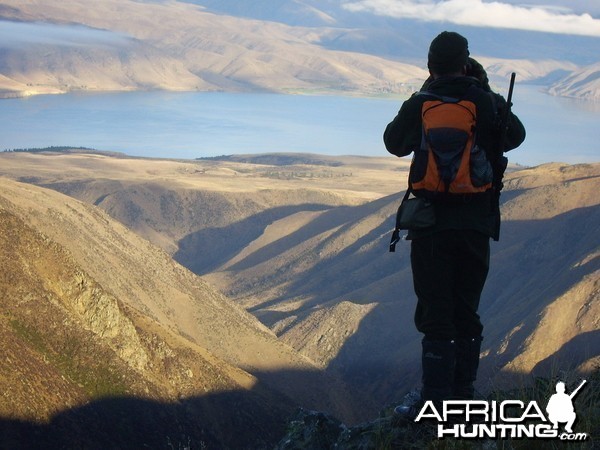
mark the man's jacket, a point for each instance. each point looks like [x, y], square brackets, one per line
[403, 135]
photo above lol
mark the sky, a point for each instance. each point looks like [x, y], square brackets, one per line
[554, 16]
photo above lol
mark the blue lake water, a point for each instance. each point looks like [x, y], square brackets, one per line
[191, 125]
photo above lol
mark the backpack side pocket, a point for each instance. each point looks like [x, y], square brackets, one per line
[481, 170]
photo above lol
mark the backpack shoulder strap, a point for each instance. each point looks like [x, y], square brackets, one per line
[396, 233]
[443, 98]
[470, 94]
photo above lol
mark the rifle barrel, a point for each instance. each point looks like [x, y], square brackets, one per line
[574, 393]
[510, 88]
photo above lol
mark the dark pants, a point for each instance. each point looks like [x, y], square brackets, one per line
[449, 271]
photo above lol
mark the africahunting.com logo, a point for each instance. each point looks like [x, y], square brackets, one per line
[508, 419]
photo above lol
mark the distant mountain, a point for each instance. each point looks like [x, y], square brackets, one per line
[283, 46]
[279, 159]
[583, 83]
[176, 46]
[405, 39]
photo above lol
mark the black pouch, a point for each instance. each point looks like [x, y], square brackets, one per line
[413, 214]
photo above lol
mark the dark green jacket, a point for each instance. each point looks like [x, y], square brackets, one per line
[403, 135]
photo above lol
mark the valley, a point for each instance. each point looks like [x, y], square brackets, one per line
[97, 321]
[299, 242]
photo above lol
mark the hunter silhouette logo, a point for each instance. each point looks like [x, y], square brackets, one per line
[560, 407]
[507, 419]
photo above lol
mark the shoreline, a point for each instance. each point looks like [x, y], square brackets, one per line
[31, 91]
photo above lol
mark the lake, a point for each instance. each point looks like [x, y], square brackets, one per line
[197, 124]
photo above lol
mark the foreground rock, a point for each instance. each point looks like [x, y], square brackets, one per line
[313, 430]
[316, 430]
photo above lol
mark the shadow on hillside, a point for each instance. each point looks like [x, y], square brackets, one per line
[340, 219]
[382, 357]
[535, 263]
[582, 347]
[207, 249]
[352, 268]
[254, 419]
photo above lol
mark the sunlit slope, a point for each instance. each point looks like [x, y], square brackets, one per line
[317, 271]
[173, 203]
[582, 83]
[543, 296]
[171, 45]
[326, 284]
[81, 366]
[106, 313]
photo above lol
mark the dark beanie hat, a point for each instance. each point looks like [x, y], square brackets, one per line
[448, 53]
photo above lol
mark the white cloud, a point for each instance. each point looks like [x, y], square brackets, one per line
[484, 14]
[16, 34]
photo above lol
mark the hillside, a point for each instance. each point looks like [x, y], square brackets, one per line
[167, 201]
[582, 83]
[177, 46]
[76, 360]
[338, 26]
[108, 341]
[334, 293]
[282, 46]
[308, 256]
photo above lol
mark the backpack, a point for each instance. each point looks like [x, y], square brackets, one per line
[449, 163]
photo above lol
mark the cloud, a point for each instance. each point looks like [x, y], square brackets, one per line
[17, 34]
[484, 14]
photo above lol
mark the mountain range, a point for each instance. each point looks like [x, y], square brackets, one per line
[283, 46]
[298, 242]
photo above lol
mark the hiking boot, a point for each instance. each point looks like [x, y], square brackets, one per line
[467, 363]
[406, 413]
[408, 410]
[438, 362]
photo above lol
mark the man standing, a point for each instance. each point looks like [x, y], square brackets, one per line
[450, 258]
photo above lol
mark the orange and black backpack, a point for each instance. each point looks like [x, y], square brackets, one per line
[449, 163]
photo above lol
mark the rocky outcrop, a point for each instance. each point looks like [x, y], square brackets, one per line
[314, 430]
[105, 341]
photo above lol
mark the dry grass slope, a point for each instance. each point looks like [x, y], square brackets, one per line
[97, 321]
[308, 256]
[71, 347]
